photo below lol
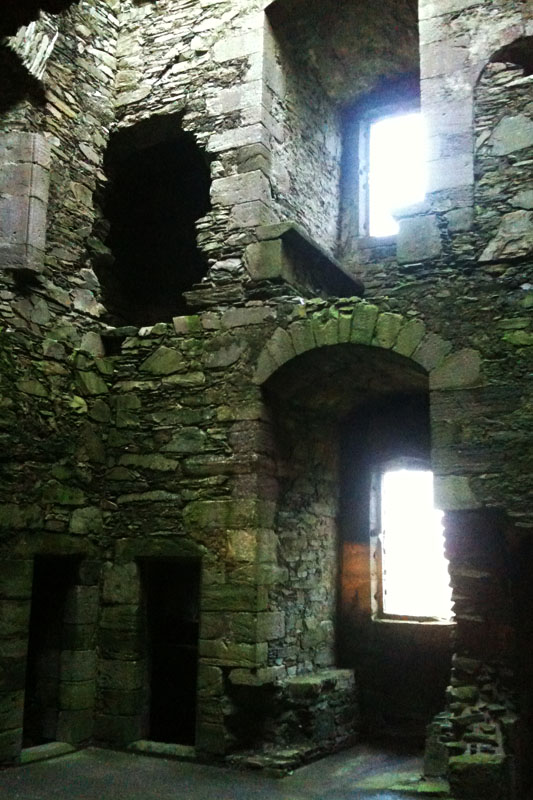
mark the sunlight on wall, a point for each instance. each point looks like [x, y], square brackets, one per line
[397, 169]
[415, 570]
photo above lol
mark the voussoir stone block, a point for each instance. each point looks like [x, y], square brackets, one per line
[431, 351]
[457, 371]
[387, 328]
[409, 337]
[363, 323]
[280, 347]
[302, 337]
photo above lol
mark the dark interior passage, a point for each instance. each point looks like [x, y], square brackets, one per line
[159, 186]
[52, 578]
[172, 589]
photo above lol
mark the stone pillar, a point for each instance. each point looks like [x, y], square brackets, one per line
[78, 657]
[122, 662]
[24, 183]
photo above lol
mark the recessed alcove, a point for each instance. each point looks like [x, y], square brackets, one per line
[339, 412]
[158, 187]
[172, 594]
[53, 578]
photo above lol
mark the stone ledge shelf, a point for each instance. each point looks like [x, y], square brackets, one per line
[285, 252]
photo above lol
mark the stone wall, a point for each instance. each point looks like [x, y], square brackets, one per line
[305, 144]
[127, 444]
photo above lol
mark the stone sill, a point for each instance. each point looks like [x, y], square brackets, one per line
[414, 622]
[373, 242]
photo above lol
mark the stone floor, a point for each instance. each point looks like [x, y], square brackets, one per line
[93, 774]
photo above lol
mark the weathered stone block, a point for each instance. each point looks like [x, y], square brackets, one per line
[232, 597]
[13, 673]
[210, 681]
[164, 361]
[409, 337]
[512, 133]
[121, 583]
[302, 336]
[16, 579]
[86, 520]
[211, 738]
[475, 776]
[122, 645]
[81, 607]
[270, 625]
[117, 730]
[78, 665]
[14, 617]
[387, 328]
[453, 493]
[10, 746]
[123, 675]
[76, 696]
[431, 351]
[121, 617]
[418, 239]
[363, 323]
[113, 702]
[11, 710]
[458, 370]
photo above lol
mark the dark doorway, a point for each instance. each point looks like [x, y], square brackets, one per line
[172, 589]
[53, 576]
[159, 182]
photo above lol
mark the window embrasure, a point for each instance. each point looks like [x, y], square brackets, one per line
[392, 167]
[410, 570]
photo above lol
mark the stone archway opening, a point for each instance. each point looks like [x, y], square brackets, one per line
[337, 411]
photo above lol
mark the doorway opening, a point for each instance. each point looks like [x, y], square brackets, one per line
[53, 576]
[172, 592]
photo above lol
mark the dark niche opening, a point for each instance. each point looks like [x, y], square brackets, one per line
[159, 182]
[519, 52]
[53, 576]
[172, 591]
[16, 83]
[22, 12]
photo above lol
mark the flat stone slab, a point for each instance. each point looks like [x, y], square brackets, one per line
[181, 751]
[41, 752]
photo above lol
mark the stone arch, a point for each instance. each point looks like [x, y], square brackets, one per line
[364, 324]
[316, 325]
[519, 52]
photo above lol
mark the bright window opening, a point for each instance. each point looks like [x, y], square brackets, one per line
[415, 575]
[396, 169]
